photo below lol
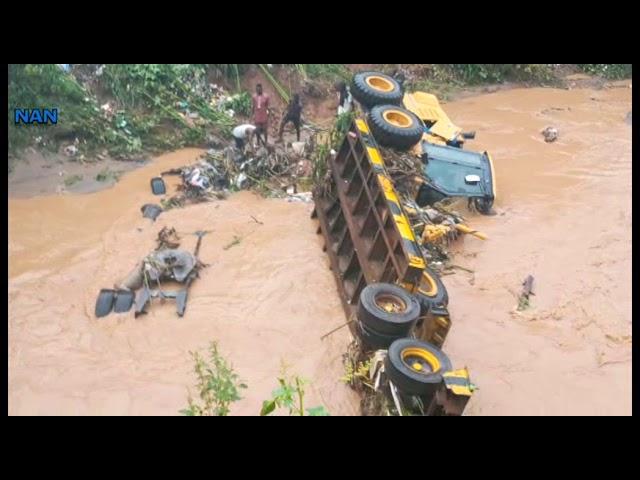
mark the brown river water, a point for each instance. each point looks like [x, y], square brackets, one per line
[563, 215]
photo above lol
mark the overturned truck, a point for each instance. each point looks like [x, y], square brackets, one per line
[396, 304]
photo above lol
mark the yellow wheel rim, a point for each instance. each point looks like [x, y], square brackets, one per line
[390, 303]
[380, 83]
[397, 118]
[420, 360]
[428, 285]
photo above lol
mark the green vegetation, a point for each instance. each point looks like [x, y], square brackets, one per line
[107, 175]
[290, 396]
[150, 106]
[614, 71]
[72, 180]
[218, 386]
[474, 73]
[239, 103]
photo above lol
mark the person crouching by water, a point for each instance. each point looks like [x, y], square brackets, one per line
[293, 115]
[243, 134]
[260, 111]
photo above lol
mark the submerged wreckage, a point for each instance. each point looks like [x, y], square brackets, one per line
[381, 208]
[396, 304]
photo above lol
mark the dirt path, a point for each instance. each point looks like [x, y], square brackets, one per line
[564, 215]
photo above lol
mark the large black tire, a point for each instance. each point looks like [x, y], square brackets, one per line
[431, 291]
[416, 367]
[483, 205]
[372, 340]
[373, 316]
[104, 303]
[394, 127]
[374, 88]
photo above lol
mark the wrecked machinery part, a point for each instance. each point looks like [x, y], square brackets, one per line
[146, 294]
[185, 270]
[157, 186]
[367, 235]
[124, 301]
[416, 367]
[434, 325]
[104, 302]
[151, 210]
[395, 127]
[375, 88]
[388, 309]
[371, 340]
[431, 291]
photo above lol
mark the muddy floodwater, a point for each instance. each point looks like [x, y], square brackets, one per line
[267, 296]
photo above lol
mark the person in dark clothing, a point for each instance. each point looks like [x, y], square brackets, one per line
[293, 115]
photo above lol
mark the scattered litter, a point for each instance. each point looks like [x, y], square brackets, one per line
[304, 197]
[241, 181]
[167, 238]
[550, 134]
[71, 150]
[298, 148]
[109, 112]
[236, 240]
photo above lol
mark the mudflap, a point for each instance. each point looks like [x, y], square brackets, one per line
[142, 300]
[105, 301]
[181, 301]
[124, 301]
[157, 186]
[151, 211]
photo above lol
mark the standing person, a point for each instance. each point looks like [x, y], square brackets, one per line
[345, 99]
[242, 134]
[260, 111]
[293, 115]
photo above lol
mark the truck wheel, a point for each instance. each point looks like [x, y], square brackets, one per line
[416, 367]
[374, 88]
[395, 127]
[431, 291]
[388, 309]
[372, 340]
[483, 205]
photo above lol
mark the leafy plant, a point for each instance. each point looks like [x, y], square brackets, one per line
[360, 373]
[240, 103]
[218, 385]
[290, 396]
[107, 175]
[608, 70]
[72, 180]
[330, 71]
